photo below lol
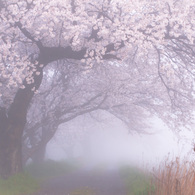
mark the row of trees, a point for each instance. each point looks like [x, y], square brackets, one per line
[60, 59]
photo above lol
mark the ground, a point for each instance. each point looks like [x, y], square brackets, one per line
[85, 183]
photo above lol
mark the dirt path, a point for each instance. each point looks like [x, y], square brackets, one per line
[85, 183]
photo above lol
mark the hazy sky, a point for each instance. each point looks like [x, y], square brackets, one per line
[108, 142]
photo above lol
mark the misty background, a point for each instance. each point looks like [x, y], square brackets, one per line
[101, 139]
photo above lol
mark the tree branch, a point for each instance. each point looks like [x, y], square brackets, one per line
[28, 35]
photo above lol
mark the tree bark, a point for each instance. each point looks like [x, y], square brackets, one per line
[11, 150]
[11, 129]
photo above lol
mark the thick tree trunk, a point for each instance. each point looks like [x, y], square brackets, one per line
[10, 145]
[12, 127]
[11, 150]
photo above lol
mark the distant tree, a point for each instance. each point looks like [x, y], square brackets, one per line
[154, 39]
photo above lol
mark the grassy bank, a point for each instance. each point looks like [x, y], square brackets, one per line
[30, 181]
[20, 184]
[171, 177]
[137, 181]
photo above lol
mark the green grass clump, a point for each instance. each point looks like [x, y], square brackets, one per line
[19, 184]
[136, 181]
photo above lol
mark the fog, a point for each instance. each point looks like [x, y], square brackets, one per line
[100, 139]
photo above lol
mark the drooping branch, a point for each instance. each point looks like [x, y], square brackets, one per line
[52, 126]
[71, 111]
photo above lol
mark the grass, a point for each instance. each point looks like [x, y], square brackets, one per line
[137, 182]
[30, 181]
[175, 177]
[171, 177]
[20, 184]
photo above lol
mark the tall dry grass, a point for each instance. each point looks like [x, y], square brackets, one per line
[174, 177]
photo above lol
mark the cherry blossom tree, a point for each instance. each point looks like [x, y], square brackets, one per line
[154, 36]
[72, 93]
[66, 98]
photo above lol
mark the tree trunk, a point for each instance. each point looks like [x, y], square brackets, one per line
[10, 145]
[11, 129]
[11, 150]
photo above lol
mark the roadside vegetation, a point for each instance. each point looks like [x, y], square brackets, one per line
[20, 184]
[30, 181]
[175, 177]
[137, 181]
[171, 177]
